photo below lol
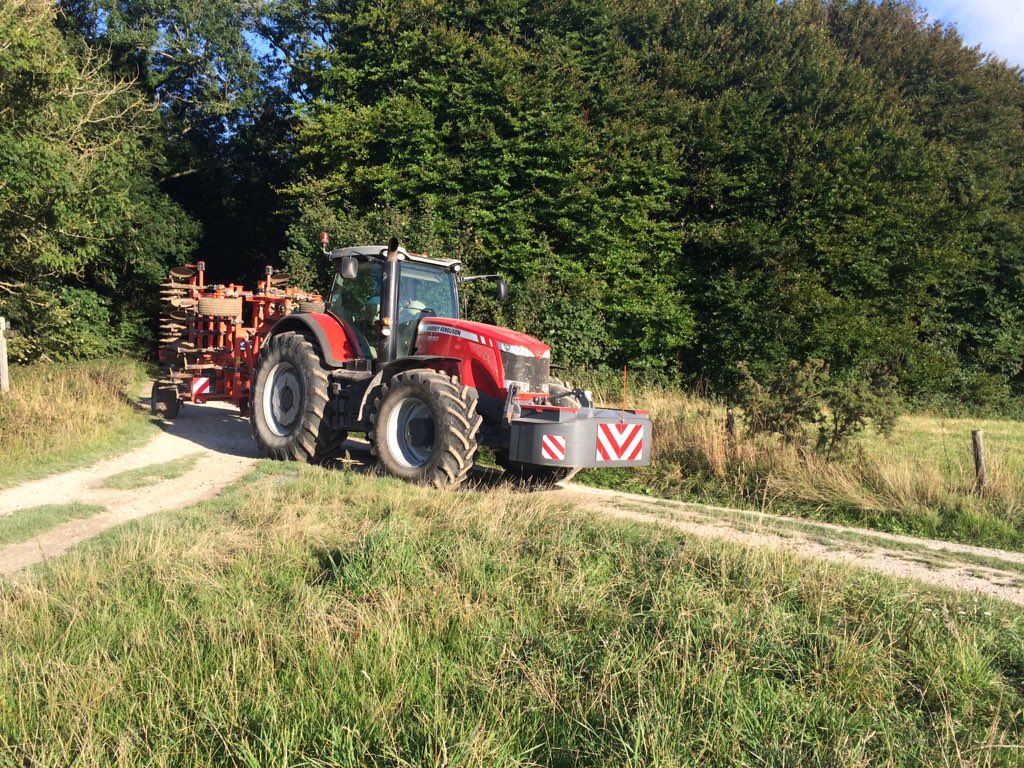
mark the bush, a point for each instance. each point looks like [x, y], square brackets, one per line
[804, 399]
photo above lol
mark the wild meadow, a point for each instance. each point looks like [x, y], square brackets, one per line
[63, 415]
[320, 617]
[919, 480]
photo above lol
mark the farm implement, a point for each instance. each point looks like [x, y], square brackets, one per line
[386, 354]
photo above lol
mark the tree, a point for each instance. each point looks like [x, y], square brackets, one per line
[84, 229]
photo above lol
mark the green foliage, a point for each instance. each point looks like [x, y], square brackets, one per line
[565, 311]
[679, 186]
[852, 403]
[84, 230]
[736, 181]
[786, 403]
[805, 395]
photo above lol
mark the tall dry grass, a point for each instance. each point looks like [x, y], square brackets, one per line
[69, 414]
[902, 489]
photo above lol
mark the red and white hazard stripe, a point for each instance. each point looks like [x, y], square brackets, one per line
[200, 386]
[552, 447]
[620, 442]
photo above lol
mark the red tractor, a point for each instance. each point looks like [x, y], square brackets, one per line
[387, 355]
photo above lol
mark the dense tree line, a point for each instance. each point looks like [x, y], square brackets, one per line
[679, 185]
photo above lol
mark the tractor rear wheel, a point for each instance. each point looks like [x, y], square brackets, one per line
[424, 428]
[290, 400]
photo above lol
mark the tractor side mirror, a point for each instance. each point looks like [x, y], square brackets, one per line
[349, 267]
[501, 291]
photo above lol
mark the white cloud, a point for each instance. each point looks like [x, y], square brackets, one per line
[996, 25]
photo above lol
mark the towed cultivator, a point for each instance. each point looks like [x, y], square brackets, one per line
[210, 336]
[386, 355]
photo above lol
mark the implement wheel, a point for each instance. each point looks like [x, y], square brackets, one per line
[164, 402]
[424, 428]
[290, 399]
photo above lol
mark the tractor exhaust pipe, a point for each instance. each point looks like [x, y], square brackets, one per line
[389, 305]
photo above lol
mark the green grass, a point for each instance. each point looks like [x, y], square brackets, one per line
[920, 482]
[61, 416]
[937, 441]
[23, 524]
[313, 618]
[154, 473]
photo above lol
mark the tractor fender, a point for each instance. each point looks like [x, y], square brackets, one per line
[330, 334]
[436, 362]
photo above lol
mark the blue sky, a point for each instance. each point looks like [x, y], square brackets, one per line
[996, 25]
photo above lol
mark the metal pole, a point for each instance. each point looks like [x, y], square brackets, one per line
[979, 460]
[5, 382]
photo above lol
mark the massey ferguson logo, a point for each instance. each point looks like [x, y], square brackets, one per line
[442, 329]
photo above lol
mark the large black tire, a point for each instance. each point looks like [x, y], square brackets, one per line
[424, 428]
[289, 401]
[164, 402]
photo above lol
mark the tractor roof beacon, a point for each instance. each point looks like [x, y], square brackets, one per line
[387, 354]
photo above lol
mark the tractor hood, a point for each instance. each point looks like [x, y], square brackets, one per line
[504, 339]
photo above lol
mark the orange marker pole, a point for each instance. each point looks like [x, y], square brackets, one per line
[622, 420]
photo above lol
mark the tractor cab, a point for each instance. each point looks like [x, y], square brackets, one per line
[386, 330]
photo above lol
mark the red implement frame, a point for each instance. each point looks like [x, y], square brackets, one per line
[215, 353]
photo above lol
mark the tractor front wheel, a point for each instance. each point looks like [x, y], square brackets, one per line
[290, 400]
[424, 428]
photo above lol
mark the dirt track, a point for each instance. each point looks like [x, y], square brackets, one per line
[228, 452]
[215, 430]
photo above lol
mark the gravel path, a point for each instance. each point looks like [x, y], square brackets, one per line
[981, 570]
[228, 452]
[215, 430]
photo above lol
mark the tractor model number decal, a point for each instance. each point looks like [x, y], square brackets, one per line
[200, 386]
[552, 447]
[620, 442]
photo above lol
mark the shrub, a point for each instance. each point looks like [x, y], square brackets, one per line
[804, 398]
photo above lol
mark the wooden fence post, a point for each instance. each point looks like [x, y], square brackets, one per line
[730, 423]
[979, 460]
[5, 383]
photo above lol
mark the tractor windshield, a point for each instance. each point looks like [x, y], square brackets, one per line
[423, 291]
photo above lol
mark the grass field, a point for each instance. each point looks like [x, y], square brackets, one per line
[919, 481]
[945, 444]
[314, 618]
[59, 416]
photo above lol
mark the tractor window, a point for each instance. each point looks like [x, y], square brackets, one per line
[423, 291]
[358, 302]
